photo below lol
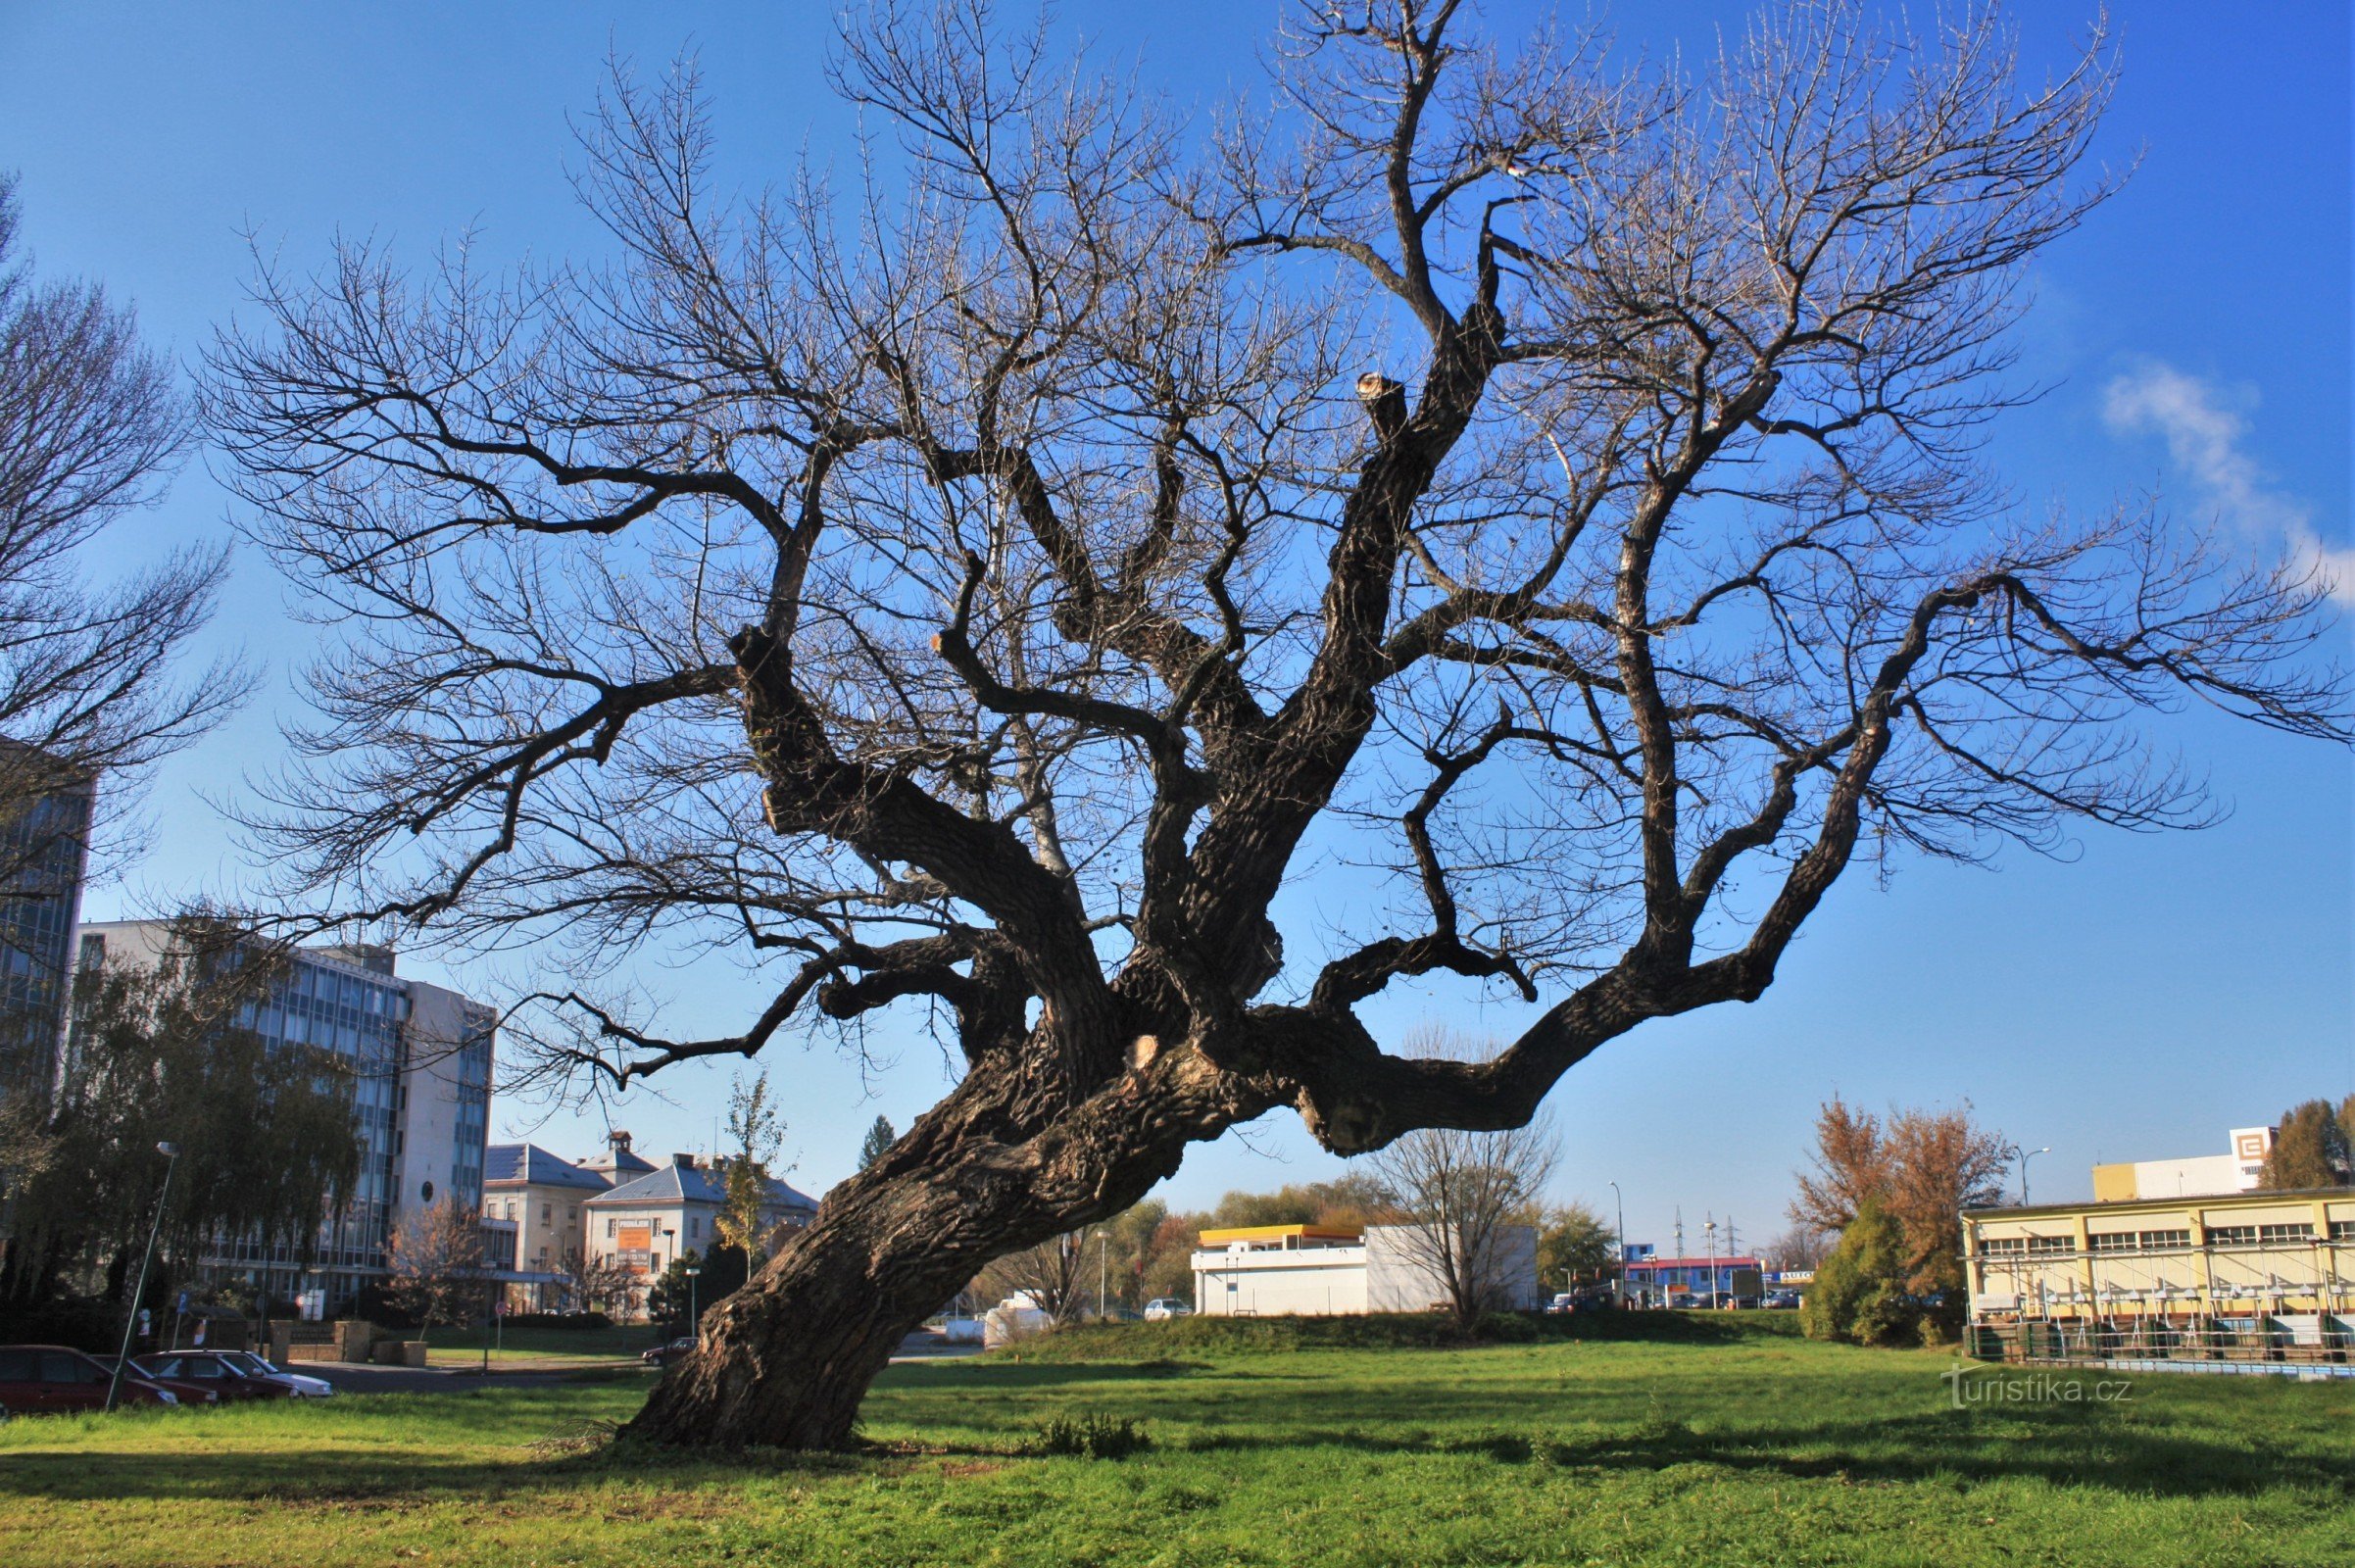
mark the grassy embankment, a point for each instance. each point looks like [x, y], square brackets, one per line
[1669, 1441]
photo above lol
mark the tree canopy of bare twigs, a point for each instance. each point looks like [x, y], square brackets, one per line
[91, 426]
[978, 587]
[433, 1264]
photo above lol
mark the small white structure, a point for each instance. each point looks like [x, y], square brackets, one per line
[1325, 1271]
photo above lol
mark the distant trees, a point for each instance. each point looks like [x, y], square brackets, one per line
[676, 1297]
[1575, 1243]
[1801, 1246]
[433, 1265]
[1917, 1170]
[2314, 1145]
[269, 1146]
[601, 1284]
[877, 1142]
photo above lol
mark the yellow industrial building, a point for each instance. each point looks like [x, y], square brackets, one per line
[2237, 1281]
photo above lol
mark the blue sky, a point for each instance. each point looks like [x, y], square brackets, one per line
[2132, 1001]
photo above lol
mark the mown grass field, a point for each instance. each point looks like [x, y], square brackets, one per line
[520, 1348]
[1699, 1442]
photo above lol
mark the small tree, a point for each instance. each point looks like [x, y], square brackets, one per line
[434, 1265]
[1860, 1292]
[603, 1284]
[2309, 1149]
[758, 1131]
[1574, 1243]
[1050, 1274]
[878, 1142]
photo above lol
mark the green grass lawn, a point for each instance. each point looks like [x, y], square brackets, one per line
[1694, 1442]
[520, 1348]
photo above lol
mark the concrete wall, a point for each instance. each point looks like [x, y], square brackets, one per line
[1385, 1274]
[1400, 1279]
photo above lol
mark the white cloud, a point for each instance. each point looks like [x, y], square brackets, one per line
[2204, 435]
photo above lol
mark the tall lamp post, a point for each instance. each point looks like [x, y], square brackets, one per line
[171, 1157]
[1709, 1230]
[2027, 1155]
[1619, 1208]
[1104, 1247]
[693, 1274]
[671, 1234]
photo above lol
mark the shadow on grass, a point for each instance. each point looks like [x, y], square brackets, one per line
[2079, 1448]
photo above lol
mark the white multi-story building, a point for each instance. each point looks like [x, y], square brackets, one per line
[419, 1071]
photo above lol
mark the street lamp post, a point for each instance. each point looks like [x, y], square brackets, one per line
[693, 1313]
[1619, 1208]
[1710, 1231]
[171, 1157]
[1104, 1247]
[671, 1234]
[2027, 1155]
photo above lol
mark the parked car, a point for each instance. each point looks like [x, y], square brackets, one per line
[1166, 1308]
[1782, 1299]
[189, 1393]
[1593, 1299]
[210, 1371]
[661, 1354]
[303, 1388]
[37, 1378]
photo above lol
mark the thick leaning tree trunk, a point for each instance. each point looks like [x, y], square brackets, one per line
[787, 1360]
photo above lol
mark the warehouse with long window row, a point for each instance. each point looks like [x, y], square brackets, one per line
[2226, 1282]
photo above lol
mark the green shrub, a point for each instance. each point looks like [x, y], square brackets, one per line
[1859, 1293]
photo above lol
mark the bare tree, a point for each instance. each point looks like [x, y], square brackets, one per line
[433, 1264]
[1553, 484]
[90, 428]
[600, 1283]
[1053, 1274]
[1469, 1196]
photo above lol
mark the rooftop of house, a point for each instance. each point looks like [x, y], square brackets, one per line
[530, 1165]
[686, 1181]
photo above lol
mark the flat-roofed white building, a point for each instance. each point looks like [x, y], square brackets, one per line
[1331, 1271]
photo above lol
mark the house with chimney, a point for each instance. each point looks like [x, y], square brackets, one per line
[646, 1222]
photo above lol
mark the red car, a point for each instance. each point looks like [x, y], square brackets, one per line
[188, 1394]
[212, 1371]
[36, 1378]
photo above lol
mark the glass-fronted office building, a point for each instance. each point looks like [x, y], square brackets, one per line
[417, 1060]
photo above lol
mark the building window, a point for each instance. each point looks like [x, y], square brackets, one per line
[2161, 1241]
[2110, 1242]
[2342, 1230]
[610, 1224]
[2231, 1236]
[2004, 1246]
[547, 1212]
[2279, 1235]
[2051, 1245]
[695, 1227]
[573, 1216]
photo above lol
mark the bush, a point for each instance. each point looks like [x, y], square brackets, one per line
[1091, 1435]
[583, 1321]
[1860, 1292]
